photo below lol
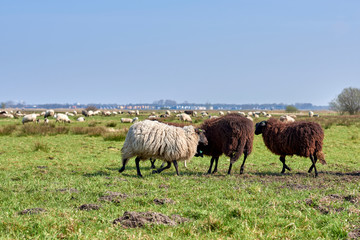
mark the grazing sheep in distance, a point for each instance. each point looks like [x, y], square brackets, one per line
[304, 139]
[250, 118]
[221, 113]
[231, 135]
[75, 112]
[29, 118]
[184, 117]
[242, 114]
[62, 118]
[85, 113]
[46, 121]
[49, 113]
[311, 113]
[151, 139]
[128, 120]
[81, 119]
[286, 118]
[168, 112]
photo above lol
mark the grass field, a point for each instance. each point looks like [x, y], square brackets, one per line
[48, 174]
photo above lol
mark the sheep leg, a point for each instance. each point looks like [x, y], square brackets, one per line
[137, 161]
[242, 165]
[211, 163]
[162, 169]
[216, 164]
[229, 171]
[282, 159]
[176, 167]
[123, 167]
[313, 165]
[152, 163]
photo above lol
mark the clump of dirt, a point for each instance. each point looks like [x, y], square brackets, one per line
[139, 219]
[42, 167]
[113, 197]
[352, 199]
[296, 186]
[164, 186]
[354, 234]
[89, 207]
[69, 190]
[32, 211]
[164, 201]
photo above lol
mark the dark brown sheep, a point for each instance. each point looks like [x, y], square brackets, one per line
[231, 135]
[304, 139]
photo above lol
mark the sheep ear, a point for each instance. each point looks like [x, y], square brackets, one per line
[262, 124]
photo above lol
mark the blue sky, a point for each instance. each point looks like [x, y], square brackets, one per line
[196, 51]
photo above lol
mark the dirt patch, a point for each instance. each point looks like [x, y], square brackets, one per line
[324, 209]
[353, 199]
[164, 201]
[113, 197]
[296, 186]
[69, 190]
[42, 167]
[32, 211]
[89, 207]
[354, 234]
[164, 186]
[139, 219]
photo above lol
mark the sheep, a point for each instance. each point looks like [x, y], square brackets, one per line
[242, 114]
[85, 113]
[286, 118]
[231, 135]
[250, 118]
[304, 139]
[152, 117]
[81, 119]
[75, 112]
[91, 113]
[46, 121]
[137, 113]
[184, 117]
[49, 113]
[168, 112]
[107, 113]
[69, 114]
[311, 113]
[131, 112]
[189, 112]
[62, 118]
[151, 139]
[221, 113]
[128, 120]
[29, 118]
[152, 160]
[6, 115]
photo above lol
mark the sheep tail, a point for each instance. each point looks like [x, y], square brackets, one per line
[321, 157]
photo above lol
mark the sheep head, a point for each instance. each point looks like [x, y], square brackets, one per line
[259, 127]
[202, 138]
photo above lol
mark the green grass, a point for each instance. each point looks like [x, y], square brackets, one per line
[59, 170]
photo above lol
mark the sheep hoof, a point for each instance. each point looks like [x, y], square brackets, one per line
[121, 170]
[140, 176]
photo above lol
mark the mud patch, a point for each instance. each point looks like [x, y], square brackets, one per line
[32, 211]
[164, 201]
[113, 197]
[88, 207]
[354, 234]
[139, 219]
[68, 190]
[42, 167]
[324, 209]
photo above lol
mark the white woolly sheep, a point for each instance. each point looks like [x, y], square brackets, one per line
[29, 118]
[62, 118]
[242, 114]
[311, 113]
[286, 118]
[152, 139]
[128, 120]
[49, 113]
[221, 113]
[168, 112]
[81, 119]
[75, 112]
[185, 118]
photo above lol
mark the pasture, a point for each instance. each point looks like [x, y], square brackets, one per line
[61, 181]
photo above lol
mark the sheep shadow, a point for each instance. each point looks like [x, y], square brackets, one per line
[96, 174]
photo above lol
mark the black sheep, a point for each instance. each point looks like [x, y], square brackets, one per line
[231, 135]
[304, 139]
